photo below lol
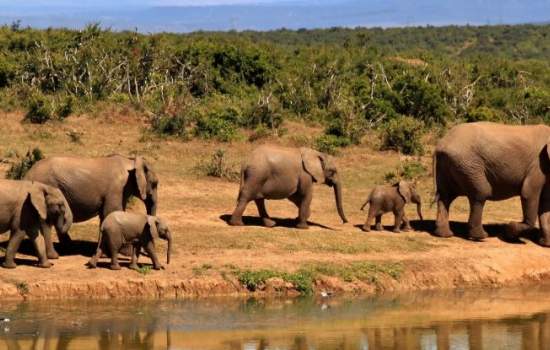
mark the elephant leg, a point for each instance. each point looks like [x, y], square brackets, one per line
[133, 262]
[93, 261]
[530, 208]
[304, 211]
[16, 237]
[150, 249]
[378, 226]
[371, 214]
[475, 227]
[114, 257]
[260, 203]
[398, 214]
[40, 246]
[47, 233]
[237, 216]
[406, 223]
[442, 228]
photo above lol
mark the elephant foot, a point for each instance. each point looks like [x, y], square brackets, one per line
[407, 229]
[514, 230]
[379, 227]
[91, 264]
[544, 241]
[114, 267]
[134, 267]
[159, 267]
[396, 230]
[302, 225]
[53, 255]
[236, 222]
[268, 222]
[9, 265]
[366, 228]
[443, 232]
[45, 265]
[477, 234]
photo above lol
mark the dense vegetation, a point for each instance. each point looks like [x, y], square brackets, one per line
[399, 82]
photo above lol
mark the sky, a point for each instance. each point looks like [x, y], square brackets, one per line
[192, 15]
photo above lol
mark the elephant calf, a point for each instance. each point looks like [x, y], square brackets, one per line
[25, 208]
[121, 228]
[384, 199]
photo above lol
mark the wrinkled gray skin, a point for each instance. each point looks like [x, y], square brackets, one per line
[96, 186]
[488, 161]
[273, 172]
[384, 199]
[121, 228]
[26, 207]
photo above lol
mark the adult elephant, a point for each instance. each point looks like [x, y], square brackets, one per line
[96, 186]
[25, 207]
[273, 172]
[487, 161]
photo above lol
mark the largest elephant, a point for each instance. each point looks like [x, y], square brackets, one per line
[273, 172]
[487, 161]
[96, 186]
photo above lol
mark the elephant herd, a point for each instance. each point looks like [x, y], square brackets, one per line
[482, 161]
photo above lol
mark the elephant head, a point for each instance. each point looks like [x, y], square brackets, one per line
[147, 183]
[51, 205]
[159, 229]
[322, 169]
[409, 194]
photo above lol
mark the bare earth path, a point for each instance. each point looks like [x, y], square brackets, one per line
[210, 256]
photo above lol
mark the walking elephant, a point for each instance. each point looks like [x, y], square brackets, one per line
[384, 199]
[273, 172]
[26, 207]
[96, 186]
[138, 230]
[487, 161]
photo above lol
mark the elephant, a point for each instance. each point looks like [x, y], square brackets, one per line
[274, 172]
[137, 230]
[489, 161]
[96, 186]
[383, 199]
[25, 208]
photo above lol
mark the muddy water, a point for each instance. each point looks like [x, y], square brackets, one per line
[481, 319]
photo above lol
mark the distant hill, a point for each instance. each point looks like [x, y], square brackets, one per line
[168, 15]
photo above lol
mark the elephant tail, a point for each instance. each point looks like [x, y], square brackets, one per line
[366, 202]
[241, 183]
[434, 174]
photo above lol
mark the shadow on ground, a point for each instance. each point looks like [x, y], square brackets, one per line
[281, 222]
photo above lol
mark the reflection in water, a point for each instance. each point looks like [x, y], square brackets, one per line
[508, 319]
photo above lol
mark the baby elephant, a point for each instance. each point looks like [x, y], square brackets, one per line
[120, 229]
[384, 199]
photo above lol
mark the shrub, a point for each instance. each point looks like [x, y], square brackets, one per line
[64, 108]
[214, 127]
[217, 166]
[481, 114]
[39, 109]
[170, 125]
[403, 134]
[412, 169]
[18, 169]
[330, 144]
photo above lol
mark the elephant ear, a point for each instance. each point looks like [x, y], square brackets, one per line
[39, 202]
[404, 190]
[152, 223]
[141, 180]
[313, 164]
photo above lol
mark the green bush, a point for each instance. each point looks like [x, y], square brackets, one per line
[170, 125]
[482, 114]
[403, 134]
[19, 169]
[330, 144]
[39, 109]
[412, 169]
[218, 166]
[214, 127]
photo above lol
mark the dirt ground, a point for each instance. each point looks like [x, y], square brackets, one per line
[209, 255]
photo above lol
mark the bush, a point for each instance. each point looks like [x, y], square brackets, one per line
[19, 169]
[482, 114]
[217, 166]
[330, 144]
[39, 109]
[215, 127]
[65, 108]
[170, 125]
[403, 134]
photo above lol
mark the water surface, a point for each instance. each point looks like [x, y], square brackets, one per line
[480, 319]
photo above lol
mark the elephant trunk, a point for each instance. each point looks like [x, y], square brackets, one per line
[169, 250]
[338, 198]
[67, 220]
